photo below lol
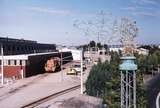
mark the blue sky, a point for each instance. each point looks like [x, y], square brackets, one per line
[51, 21]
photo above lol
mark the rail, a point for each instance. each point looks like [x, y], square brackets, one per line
[47, 98]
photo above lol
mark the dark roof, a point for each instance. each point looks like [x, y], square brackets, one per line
[3, 39]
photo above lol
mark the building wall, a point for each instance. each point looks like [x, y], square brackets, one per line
[13, 71]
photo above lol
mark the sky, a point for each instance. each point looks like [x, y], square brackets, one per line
[52, 21]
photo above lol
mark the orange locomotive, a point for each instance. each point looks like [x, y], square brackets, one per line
[52, 65]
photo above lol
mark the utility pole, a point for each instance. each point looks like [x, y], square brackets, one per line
[81, 58]
[61, 66]
[2, 63]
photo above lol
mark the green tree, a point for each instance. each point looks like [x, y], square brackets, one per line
[99, 45]
[95, 85]
[92, 44]
[141, 91]
[104, 82]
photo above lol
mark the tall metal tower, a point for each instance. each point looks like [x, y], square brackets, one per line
[128, 82]
[128, 31]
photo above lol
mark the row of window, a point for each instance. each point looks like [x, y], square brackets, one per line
[26, 48]
[102, 53]
[12, 49]
[14, 62]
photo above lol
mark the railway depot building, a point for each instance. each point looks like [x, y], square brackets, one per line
[21, 46]
[27, 57]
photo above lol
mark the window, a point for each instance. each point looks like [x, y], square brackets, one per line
[17, 48]
[20, 62]
[26, 62]
[13, 48]
[9, 62]
[100, 53]
[26, 48]
[8, 48]
[22, 48]
[15, 62]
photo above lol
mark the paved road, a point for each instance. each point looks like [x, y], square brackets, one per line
[153, 88]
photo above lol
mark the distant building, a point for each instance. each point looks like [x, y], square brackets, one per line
[75, 53]
[102, 51]
[96, 55]
[115, 48]
[142, 51]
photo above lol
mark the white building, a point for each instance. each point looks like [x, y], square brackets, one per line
[75, 53]
[115, 48]
[143, 51]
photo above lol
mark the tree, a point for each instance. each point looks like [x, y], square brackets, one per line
[104, 82]
[95, 85]
[99, 45]
[141, 91]
[148, 64]
[92, 43]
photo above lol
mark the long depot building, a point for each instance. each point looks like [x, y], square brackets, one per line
[27, 57]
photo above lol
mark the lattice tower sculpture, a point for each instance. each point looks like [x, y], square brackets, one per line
[128, 32]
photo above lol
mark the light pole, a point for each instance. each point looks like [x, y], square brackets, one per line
[81, 58]
[2, 63]
[61, 66]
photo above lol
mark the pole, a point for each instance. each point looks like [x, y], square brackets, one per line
[122, 90]
[81, 57]
[2, 63]
[129, 89]
[22, 73]
[126, 98]
[61, 66]
[134, 89]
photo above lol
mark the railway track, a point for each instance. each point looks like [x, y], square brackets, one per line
[47, 98]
